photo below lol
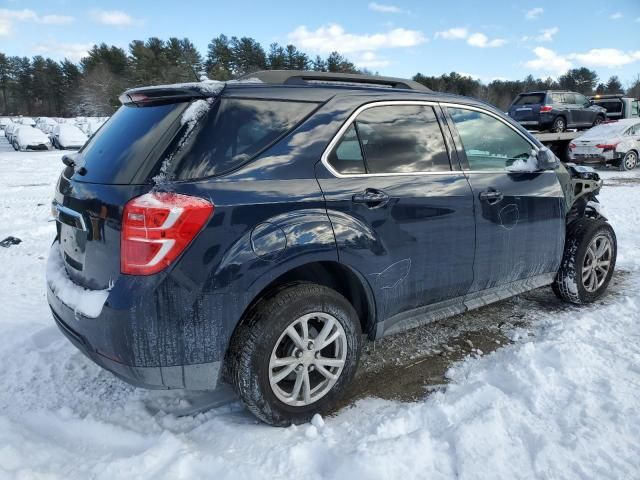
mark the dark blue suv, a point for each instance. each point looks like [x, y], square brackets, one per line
[256, 232]
[556, 110]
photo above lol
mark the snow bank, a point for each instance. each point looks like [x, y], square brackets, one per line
[85, 302]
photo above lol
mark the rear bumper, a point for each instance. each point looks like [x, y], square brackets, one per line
[595, 158]
[204, 376]
[144, 342]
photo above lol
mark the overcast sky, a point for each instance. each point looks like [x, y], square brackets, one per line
[487, 40]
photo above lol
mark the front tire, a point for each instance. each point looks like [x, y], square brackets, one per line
[629, 161]
[588, 262]
[295, 354]
[598, 120]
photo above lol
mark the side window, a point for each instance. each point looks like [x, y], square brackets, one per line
[558, 98]
[488, 143]
[346, 157]
[402, 139]
[634, 108]
[581, 99]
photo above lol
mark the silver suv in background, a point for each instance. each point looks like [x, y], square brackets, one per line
[618, 106]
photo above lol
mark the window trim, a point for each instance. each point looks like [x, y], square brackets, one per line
[351, 120]
[467, 168]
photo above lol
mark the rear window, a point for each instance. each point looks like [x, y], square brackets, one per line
[530, 99]
[124, 145]
[234, 131]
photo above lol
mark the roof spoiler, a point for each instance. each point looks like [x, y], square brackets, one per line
[301, 77]
[179, 92]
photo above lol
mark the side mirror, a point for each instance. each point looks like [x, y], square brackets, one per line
[547, 160]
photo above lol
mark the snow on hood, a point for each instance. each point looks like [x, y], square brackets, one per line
[31, 135]
[83, 301]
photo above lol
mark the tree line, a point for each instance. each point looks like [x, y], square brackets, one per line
[41, 86]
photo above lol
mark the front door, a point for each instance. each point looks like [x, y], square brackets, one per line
[401, 216]
[519, 214]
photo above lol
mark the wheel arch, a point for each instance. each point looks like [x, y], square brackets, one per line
[332, 274]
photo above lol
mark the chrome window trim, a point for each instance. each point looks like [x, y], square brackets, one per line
[338, 136]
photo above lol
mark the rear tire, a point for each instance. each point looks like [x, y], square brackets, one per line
[559, 125]
[264, 348]
[629, 162]
[588, 263]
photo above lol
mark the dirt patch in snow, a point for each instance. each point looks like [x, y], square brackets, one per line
[409, 366]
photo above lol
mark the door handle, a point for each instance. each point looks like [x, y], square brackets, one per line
[371, 197]
[491, 196]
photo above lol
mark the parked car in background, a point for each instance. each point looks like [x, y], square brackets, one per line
[46, 124]
[616, 143]
[67, 136]
[555, 110]
[297, 215]
[9, 129]
[92, 124]
[30, 138]
[28, 121]
[4, 121]
[618, 106]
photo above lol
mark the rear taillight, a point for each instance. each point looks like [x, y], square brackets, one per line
[572, 146]
[157, 227]
[546, 108]
[607, 146]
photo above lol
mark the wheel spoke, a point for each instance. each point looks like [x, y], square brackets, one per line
[296, 387]
[330, 340]
[295, 336]
[306, 385]
[324, 333]
[329, 362]
[278, 377]
[305, 330]
[325, 373]
[283, 362]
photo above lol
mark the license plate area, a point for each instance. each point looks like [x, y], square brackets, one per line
[73, 243]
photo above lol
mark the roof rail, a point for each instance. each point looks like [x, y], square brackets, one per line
[301, 77]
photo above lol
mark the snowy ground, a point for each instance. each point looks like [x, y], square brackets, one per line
[561, 401]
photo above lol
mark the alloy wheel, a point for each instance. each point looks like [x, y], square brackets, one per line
[596, 263]
[307, 359]
[630, 160]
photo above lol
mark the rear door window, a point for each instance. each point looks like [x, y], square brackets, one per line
[402, 139]
[346, 157]
[233, 132]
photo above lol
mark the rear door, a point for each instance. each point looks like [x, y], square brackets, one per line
[402, 216]
[519, 214]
